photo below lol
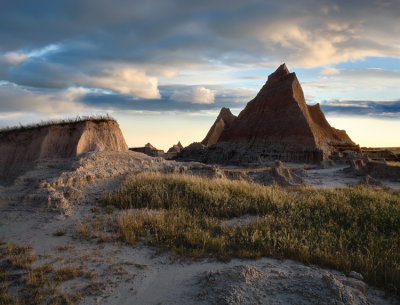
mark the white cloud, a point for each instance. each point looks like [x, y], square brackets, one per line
[195, 95]
[203, 95]
[14, 58]
[330, 71]
[126, 81]
[15, 98]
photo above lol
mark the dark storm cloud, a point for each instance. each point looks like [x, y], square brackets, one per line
[126, 45]
[381, 109]
[165, 104]
[181, 31]
[363, 108]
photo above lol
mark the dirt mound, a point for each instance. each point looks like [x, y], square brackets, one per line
[246, 284]
[276, 124]
[281, 175]
[19, 149]
[369, 181]
[375, 169]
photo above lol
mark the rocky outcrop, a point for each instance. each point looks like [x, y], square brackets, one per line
[380, 154]
[248, 284]
[276, 124]
[194, 152]
[279, 174]
[224, 121]
[20, 148]
[175, 148]
[375, 169]
[149, 150]
[173, 151]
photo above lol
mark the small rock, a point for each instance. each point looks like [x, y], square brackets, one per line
[356, 275]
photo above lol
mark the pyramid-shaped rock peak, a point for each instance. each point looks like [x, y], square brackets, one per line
[175, 148]
[278, 124]
[223, 121]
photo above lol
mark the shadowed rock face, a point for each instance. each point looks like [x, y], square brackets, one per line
[276, 124]
[279, 114]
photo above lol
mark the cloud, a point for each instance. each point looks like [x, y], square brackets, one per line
[303, 33]
[379, 109]
[14, 58]
[196, 95]
[135, 48]
[125, 81]
[18, 99]
[330, 71]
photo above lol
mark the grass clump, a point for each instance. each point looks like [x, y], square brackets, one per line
[20, 257]
[62, 122]
[347, 229]
[32, 286]
[69, 273]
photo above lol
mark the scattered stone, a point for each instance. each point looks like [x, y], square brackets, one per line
[246, 284]
[356, 275]
[369, 181]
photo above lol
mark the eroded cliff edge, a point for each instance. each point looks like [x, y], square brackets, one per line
[20, 148]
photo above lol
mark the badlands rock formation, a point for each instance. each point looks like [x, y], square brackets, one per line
[149, 150]
[224, 121]
[20, 148]
[276, 124]
[175, 148]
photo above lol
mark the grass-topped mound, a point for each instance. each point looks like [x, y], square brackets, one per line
[62, 122]
[347, 229]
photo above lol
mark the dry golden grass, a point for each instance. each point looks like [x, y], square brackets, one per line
[347, 229]
[78, 119]
[20, 257]
[35, 286]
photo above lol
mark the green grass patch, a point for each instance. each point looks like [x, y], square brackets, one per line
[347, 229]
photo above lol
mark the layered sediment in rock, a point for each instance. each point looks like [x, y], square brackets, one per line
[20, 148]
[276, 124]
[224, 121]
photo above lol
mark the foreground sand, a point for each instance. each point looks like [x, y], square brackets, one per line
[47, 207]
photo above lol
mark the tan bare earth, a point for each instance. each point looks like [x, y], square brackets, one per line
[54, 205]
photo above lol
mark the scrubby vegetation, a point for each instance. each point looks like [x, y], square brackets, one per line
[32, 285]
[42, 124]
[347, 229]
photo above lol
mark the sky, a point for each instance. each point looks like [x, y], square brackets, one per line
[165, 68]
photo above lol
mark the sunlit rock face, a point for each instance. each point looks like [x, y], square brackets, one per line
[21, 148]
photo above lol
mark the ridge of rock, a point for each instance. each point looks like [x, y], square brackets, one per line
[175, 148]
[20, 149]
[276, 124]
[224, 120]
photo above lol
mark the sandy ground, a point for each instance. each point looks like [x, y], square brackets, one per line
[335, 177]
[61, 196]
